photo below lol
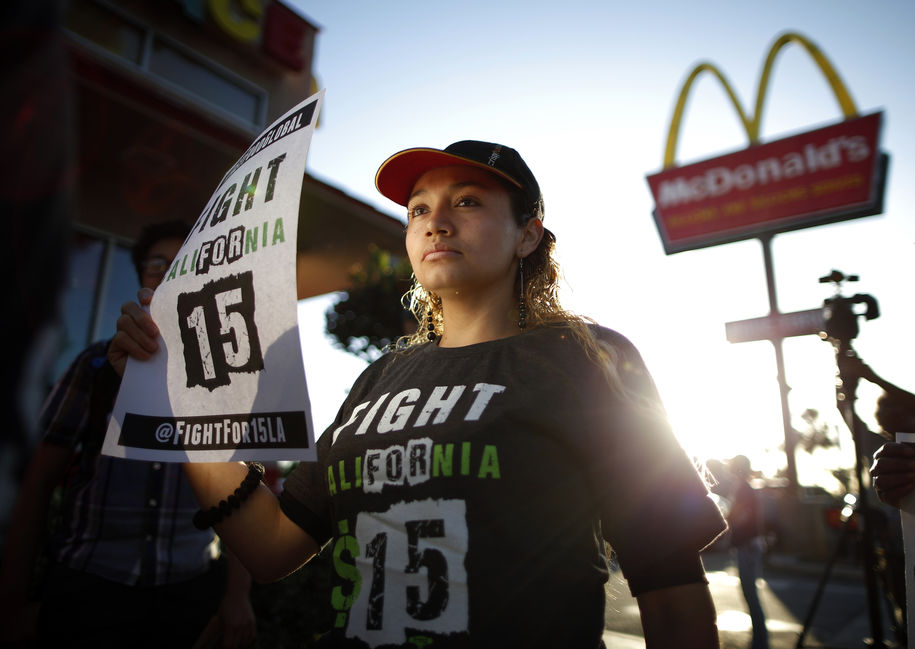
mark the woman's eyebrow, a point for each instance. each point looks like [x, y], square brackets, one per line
[467, 183]
[452, 187]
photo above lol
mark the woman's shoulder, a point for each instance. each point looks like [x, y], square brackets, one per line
[629, 365]
[590, 335]
[553, 333]
[610, 336]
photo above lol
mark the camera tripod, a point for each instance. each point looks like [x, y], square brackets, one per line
[841, 324]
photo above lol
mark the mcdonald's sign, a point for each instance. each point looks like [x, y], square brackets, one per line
[833, 173]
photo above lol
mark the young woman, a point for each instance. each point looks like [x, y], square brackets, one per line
[471, 476]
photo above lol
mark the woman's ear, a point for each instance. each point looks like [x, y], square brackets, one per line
[531, 234]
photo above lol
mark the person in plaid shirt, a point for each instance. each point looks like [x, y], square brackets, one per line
[128, 566]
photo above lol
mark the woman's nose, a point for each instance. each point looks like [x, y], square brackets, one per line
[439, 222]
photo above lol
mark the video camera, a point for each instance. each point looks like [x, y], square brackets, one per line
[839, 314]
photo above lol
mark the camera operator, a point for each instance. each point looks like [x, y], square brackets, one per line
[893, 469]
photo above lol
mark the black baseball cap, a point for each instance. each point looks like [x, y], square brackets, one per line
[398, 174]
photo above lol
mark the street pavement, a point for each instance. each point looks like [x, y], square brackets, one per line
[840, 619]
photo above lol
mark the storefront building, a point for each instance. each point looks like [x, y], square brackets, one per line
[168, 94]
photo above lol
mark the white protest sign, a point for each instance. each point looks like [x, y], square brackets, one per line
[228, 381]
[907, 505]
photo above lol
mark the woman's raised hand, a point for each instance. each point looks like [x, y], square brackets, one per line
[136, 333]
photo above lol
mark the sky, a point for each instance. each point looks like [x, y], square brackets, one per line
[585, 92]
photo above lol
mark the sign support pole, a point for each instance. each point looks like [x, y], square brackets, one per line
[776, 340]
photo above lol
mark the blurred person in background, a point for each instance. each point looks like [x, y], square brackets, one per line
[37, 145]
[745, 523]
[128, 567]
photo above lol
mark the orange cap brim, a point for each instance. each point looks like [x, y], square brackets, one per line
[398, 174]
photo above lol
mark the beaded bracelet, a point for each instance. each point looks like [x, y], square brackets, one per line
[207, 518]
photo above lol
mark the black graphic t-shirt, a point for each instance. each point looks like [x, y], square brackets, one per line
[467, 492]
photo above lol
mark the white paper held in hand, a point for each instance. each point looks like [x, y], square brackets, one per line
[228, 381]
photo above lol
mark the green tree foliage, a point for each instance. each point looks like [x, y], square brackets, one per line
[370, 316]
[816, 433]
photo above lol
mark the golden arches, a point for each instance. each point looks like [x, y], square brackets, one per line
[674, 131]
[242, 23]
[751, 124]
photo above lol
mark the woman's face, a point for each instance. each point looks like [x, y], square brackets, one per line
[462, 237]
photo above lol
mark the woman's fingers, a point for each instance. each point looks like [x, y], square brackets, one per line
[888, 466]
[138, 326]
[895, 450]
[144, 296]
[136, 336]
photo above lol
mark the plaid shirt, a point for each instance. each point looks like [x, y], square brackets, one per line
[128, 521]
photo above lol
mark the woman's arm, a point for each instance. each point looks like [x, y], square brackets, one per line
[263, 538]
[258, 533]
[679, 616]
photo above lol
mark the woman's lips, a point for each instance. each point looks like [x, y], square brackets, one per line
[440, 252]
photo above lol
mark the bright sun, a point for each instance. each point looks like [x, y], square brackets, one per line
[731, 406]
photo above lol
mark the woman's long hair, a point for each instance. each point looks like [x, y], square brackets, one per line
[541, 295]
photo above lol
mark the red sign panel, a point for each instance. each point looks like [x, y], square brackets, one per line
[285, 36]
[829, 174]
